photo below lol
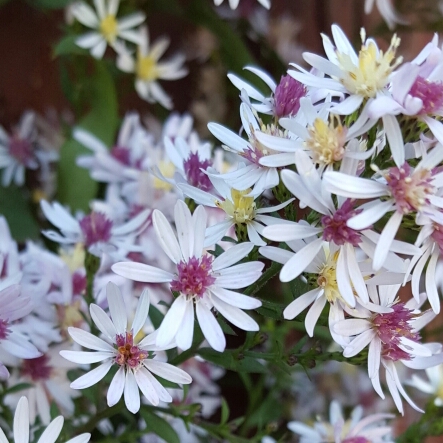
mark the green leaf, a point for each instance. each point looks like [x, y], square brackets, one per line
[15, 208]
[68, 46]
[271, 310]
[75, 187]
[224, 412]
[226, 328]
[17, 388]
[232, 360]
[159, 426]
[156, 316]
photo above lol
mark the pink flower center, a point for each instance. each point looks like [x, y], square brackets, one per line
[335, 228]
[431, 94]
[21, 150]
[121, 154]
[37, 368]
[193, 169]
[78, 283]
[4, 331]
[287, 96]
[410, 188]
[127, 353]
[194, 276]
[437, 236]
[96, 227]
[391, 328]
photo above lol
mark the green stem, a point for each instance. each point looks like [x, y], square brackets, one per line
[106, 413]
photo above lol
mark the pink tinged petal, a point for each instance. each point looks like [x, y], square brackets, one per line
[374, 357]
[82, 357]
[235, 315]
[227, 137]
[166, 236]
[186, 332]
[172, 321]
[404, 79]
[141, 272]
[117, 307]
[88, 340]
[145, 383]
[359, 343]
[348, 105]
[131, 395]
[431, 285]
[168, 372]
[235, 298]
[199, 224]
[353, 187]
[185, 231]
[21, 421]
[239, 276]
[116, 387]
[103, 322]
[141, 313]
[288, 232]
[370, 216]
[19, 346]
[276, 254]
[352, 326]
[300, 304]
[313, 315]
[232, 256]
[92, 377]
[395, 139]
[300, 261]
[210, 327]
[386, 237]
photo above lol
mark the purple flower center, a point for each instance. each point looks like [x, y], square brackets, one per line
[431, 94]
[37, 368]
[127, 353]
[21, 150]
[78, 283]
[193, 170]
[194, 276]
[437, 236]
[356, 440]
[4, 331]
[335, 228]
[391, 328]
[96, 227]
[121, 154]
[409, 188]
[287, 96]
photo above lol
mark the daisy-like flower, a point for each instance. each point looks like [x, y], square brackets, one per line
[50, 434]
[95, 230]
[234, 3]
[387, 11]
[392, 338]
[108, 30]
[354, 430]
[119, 347]
[200, 280]
[362, 77]
[148, 69]
[240, 209]
[14, 306]
[432, 387]
[407, 189]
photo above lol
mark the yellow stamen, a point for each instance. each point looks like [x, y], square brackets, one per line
[147, 68]
[108, 27]
[241, 209]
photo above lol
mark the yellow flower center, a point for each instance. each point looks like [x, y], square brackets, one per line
[75, 259]
[147, 68]
[327, 278]
[168, 170]
[373, 69]
[108, 27]
[326, 141]
[241, 209]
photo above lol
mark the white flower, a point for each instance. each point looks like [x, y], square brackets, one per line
[234, 3]
[200, 280]
[356, 429]
[392, 337]
[432, 387]
[107, 29]
[119, 347]
[50, 434]
[14, 306]
[96, 231]
[149, 69]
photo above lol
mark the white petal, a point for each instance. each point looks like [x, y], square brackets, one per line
[131, 395]
[374, 357]
[313, 315]
[87, 340]
[103, 322]
[186, 333]
[117, 307]
[168, 372]
[290, 231]
[92, 377]
[300, 304]
[185, 231]
[141, 272]
[359, 343]
[210, 328]
[353, 187]
[232, 256]
[21, 421]
[172, 321]
[352, 326]
[235, 315]
[235, 298]
[141, 313]
[115, 390]
[82, 357]
[386, 237]
[239, 276]
[144, 382]
[166, 236]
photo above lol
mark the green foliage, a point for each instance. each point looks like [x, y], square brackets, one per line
[158, 425]
[232, 360]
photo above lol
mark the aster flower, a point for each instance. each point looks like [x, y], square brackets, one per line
[119, 347]
[149, 69]
[50, 434]
[234, 3]
[392, 338]
[432, 387]
[404, 190]
[14, 306]
[107, 28]
[200, 280]
[354, 430]
[96, 231]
